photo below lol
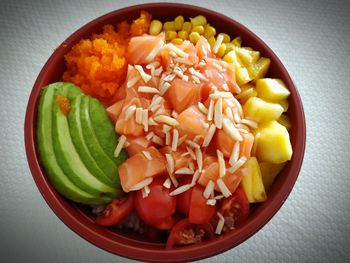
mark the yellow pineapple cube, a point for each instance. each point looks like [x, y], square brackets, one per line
[284, 120]
[252, 182]
[272, 89]
[242, 76]
[273, 143]
[269, 171]
[247, 56]
[248, 90]
[285, 104]
[259, 69]
[261, 111]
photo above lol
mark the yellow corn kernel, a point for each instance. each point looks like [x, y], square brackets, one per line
[155, 27]
[170, 34]
[177, 41]
[209, 31]
[182, 34]
[178, 22]
[199, 29]
[226, 39]
[194, 37]
[221, 51]
[211, 41]
[170, 25]
[198, 21]
[237, 41]
[187, 26]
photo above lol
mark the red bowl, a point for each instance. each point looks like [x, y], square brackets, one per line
[127, 245]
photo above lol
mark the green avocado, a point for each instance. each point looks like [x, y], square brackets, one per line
[91, 136]
[69, 159]
[94, 165]
[58, 178]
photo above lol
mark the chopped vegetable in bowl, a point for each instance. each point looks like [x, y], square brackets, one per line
[169, 122]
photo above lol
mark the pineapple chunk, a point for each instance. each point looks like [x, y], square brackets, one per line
[269, 171]
[285, 104]
[242, 74]
[261, 111]
[248, 90]
[252, 182]
[247, 56]
[273, 144]
[272, 90]
[259, 69]
[237, 41]
[284, 120]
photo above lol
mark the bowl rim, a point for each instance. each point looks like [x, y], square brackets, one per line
[104, 241]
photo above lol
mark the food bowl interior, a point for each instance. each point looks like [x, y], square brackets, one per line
[128, 244]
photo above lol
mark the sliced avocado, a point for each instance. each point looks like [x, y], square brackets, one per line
[68, 157]
[105, 161]
[79, 142]
[47, 156]
[104, 131]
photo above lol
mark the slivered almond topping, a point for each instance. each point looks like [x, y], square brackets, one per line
[154, 64]
[196, 80]
[229, 113]
[131, 82]
[185, 78]
[130, 68]
[202, 108]
[173, 54]
[217, 95]
[155, 101]
[197, 138]
[155, 51]
[166, 119]
[169, 76]
[217, 66]
[181, 189]
[130, 111]
[243, 93]
[231, 130]
[208, 189]
[217, 44]
[238, 89]
[178, 51]
[220, 225]
[157, 140]
[197, 74]
[202, 63]
[218, 197]
[195, 177]
[234, 154]
[151, 122]
[192, 144]
[211, 202]
[145, 119]
[120, 145]
[174, 114]
[126, 144]
[183, 61]
[149, 136]
[191, 166]
[243, 130]
[178, 72]
[147, 155]
[166, 128]
[167, 138]
[236, 117]
[185, 154]
[191, 152]
[223, 188]
[174, 180]
[138, 115]
[175, 140]
[164, 88]
[181, 140]
[143, 74]
[209, 136]
[225, 86]
[237, 104]
[237, 165]
[222, 168]
[141, 184]
[210, 111]
[218, 113]
[250, 123]
[145, 191]
[167, 183]
[199, 158]
[255, 144]
[147, 89]
[156, 71]
[184, 170]
[170, 161]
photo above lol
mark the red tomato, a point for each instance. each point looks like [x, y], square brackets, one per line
[200, 212]
[185, 233]
[116, 211]
[183, 202]
[158, 207]
[236, 207]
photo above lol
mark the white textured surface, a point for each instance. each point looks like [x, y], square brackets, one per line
[312, 40]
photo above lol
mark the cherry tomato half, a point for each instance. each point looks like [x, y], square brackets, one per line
[116, 211]
[200, 212]
[158, 207]
[183, 202]
[185, 233]
[236, 207]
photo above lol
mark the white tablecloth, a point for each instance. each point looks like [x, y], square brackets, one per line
[310, 37]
